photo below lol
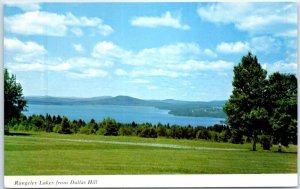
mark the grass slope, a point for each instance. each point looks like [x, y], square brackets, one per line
[37, 155]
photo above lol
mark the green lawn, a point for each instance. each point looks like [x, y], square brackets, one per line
[36, 154]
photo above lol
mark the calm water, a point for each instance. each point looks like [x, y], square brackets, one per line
[124, 114]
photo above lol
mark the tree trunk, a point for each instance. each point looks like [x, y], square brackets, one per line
[254, 142]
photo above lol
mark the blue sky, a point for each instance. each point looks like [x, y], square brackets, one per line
[183, 51]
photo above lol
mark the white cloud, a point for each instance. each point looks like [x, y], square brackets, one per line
[86, 62]
[25, 6]
[198, 65]
[153, 87]
[89, 73]
[156, 73]
[120, 72]
[139, 81]
[78, 47]
[105, 30]
[13, 44]
[156, 57]
[77, 67]
[206, 65]
[19, 51]
[72, 20]
[173, 49]
[60, 67]
[174, 60]
[27, 67]
[77, 31]
[109, 51]
[210, 53]
[167, 54]
[281, 66]
[39, 66]
[288, 33]
[237, 47]
[52, 24]
[271, 18]
[166, 20]
[264, 44]
[287, 65]
[36, 23]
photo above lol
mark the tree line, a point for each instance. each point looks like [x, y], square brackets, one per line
[110, 127]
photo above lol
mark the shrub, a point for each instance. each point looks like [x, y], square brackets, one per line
[126, 131]
[84, 130]
[148, 132]
[101, 131]
[203, 134]
[57, 128]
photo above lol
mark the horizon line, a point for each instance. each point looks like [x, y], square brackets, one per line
[108, 96]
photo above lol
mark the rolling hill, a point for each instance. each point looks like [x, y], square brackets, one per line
[175, 107]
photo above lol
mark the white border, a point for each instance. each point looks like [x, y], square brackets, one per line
[153, 181]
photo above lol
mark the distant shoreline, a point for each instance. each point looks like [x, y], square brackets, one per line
[123, 114]
[212, 109]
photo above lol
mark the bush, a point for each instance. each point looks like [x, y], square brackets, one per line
[101, 131]
[203, 134]
[215, 136]
[20, 127]
[57, 128]
[225, 135]
[126, 131]
[33, 128]
[84, 130]
[148, 132]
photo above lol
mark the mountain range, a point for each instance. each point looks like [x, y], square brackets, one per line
[175, 107]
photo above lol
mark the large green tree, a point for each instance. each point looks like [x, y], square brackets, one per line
[14, 102]
[282, 90]
[245, 108]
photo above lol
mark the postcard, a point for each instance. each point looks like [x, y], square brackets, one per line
[150, 94]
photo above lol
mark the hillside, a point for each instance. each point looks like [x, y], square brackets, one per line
[176, 107]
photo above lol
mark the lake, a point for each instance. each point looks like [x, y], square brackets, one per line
[123, 114]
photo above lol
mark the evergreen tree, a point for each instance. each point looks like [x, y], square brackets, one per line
[65, 126]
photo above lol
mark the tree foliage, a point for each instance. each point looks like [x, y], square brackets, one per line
[283, 107]
[246, 106]
[261, 106]
[14, 102]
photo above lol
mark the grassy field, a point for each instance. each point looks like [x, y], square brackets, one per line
[55, 154]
